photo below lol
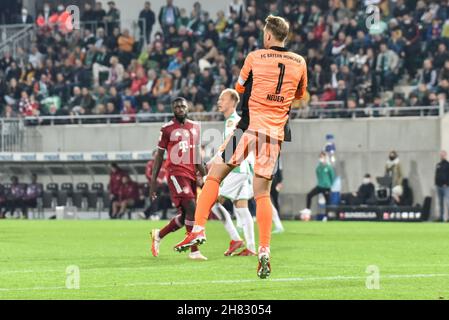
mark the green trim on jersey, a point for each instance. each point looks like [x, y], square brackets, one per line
[230, 125]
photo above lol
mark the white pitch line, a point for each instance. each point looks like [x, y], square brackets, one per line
[62, 269]
[156, 266]
[236, 281]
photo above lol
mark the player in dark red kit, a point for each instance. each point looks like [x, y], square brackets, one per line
[115, 181]
[128, 195]
[181, 139]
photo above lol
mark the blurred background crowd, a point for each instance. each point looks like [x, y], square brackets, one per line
[104, 69]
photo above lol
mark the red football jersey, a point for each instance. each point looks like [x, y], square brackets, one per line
[129, 191]
[181, 142]
[162, 177]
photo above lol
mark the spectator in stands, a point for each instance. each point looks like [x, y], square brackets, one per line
[35, 57]
[101, 63]
[115, 182]
[24, 17]
[28, 106]
[125, 46]
[139, 80]
[428, 75]
[442, 184]
[99, 13]
[168, 15]
[412, 37]
[112, 17]
[441, 56]
[387, 64]
[394, 171]
[9, 112]
[101, 96]
[146, 28]
[128, 112]
[325, 176]
[115, 99]
[364, 195]
[116, 72]
[161, 90]
[128, 195]
[88, 17]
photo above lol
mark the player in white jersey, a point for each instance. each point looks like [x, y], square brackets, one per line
[237, 186]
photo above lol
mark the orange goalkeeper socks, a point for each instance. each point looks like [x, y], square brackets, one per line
[206, 200]
[264, 216]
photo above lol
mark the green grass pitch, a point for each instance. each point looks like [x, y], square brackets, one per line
[311, 260]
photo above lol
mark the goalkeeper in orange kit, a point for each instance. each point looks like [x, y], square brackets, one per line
[270, 80]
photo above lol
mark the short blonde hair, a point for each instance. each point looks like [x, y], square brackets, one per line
[233, 93]
[278, 26]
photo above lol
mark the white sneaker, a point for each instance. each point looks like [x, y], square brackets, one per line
[197, 256]
[155, 242]
[141, 215]
[277, 230]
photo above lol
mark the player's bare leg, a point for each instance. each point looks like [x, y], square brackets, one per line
[122, 208]
[157, 235]
[262, 187]
[115, 209]
[206, 200]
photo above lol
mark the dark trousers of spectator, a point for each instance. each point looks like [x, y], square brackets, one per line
[387, 79]
[13, 204]
[113, 198]
[29, 203]
[146, 36]
[443, 200]
[316, 191]
[162, 202]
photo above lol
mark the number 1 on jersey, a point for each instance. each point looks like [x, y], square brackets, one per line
[281, 77]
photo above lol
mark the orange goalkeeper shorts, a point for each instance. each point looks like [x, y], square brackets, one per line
[265, 149]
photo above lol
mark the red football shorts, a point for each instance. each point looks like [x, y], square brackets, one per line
[181, 188]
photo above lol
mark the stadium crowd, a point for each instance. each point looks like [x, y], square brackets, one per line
[102, 69]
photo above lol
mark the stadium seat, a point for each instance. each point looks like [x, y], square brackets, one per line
[65, 196]
[146, 193]
[7, 187]
[80, 197]
[50, 197]
[96, 197]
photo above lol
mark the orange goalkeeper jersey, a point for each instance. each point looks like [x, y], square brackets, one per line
[271, 79]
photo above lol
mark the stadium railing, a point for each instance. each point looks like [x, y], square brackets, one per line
[22, 36]
[312, 111]
[11, 134]
[16, 36]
